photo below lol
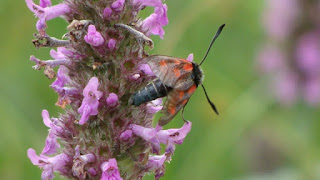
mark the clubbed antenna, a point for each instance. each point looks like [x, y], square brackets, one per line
[214, 38]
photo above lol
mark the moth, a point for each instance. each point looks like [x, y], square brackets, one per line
[175, 78]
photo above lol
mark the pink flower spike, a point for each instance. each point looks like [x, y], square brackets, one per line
[110, 170]
[112, 100]
[50, 164]
[190, 57]
[90, 102]
[46, 13]
[93, 37]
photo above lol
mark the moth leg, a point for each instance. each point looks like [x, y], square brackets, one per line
[182, 112]
[140, 37]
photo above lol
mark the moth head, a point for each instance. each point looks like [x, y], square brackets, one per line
[197, 74]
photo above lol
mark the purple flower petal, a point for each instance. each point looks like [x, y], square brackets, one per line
[45, 3]
[51, 145]
[107, 12]
[62, 78]
[112, 44]
[156, 161]
[46, 118]
[126, 135]
[47, 13]
[49, 164]
[90, 102]
[135, 77]
[156, 164]
[65, 53]
[59, 54]
[154, 106]
[190, 57]
[92, 172]
[118, 5]
[112, 100]
[93, 37]
[145, 68]
[110, 170]
[156, 136]
[51, 122]
[59, 86]
[154, 23]
[79, 161]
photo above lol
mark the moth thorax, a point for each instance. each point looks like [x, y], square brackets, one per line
[197, 74]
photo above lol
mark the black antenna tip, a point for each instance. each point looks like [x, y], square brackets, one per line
[220, 29]
[214, 107]
[210, 102]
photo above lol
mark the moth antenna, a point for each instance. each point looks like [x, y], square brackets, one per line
[210, 102]
[214, 38]
[182, 113]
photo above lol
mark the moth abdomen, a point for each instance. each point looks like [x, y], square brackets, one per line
[153, 90]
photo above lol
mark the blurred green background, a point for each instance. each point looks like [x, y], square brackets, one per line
[253, 138]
